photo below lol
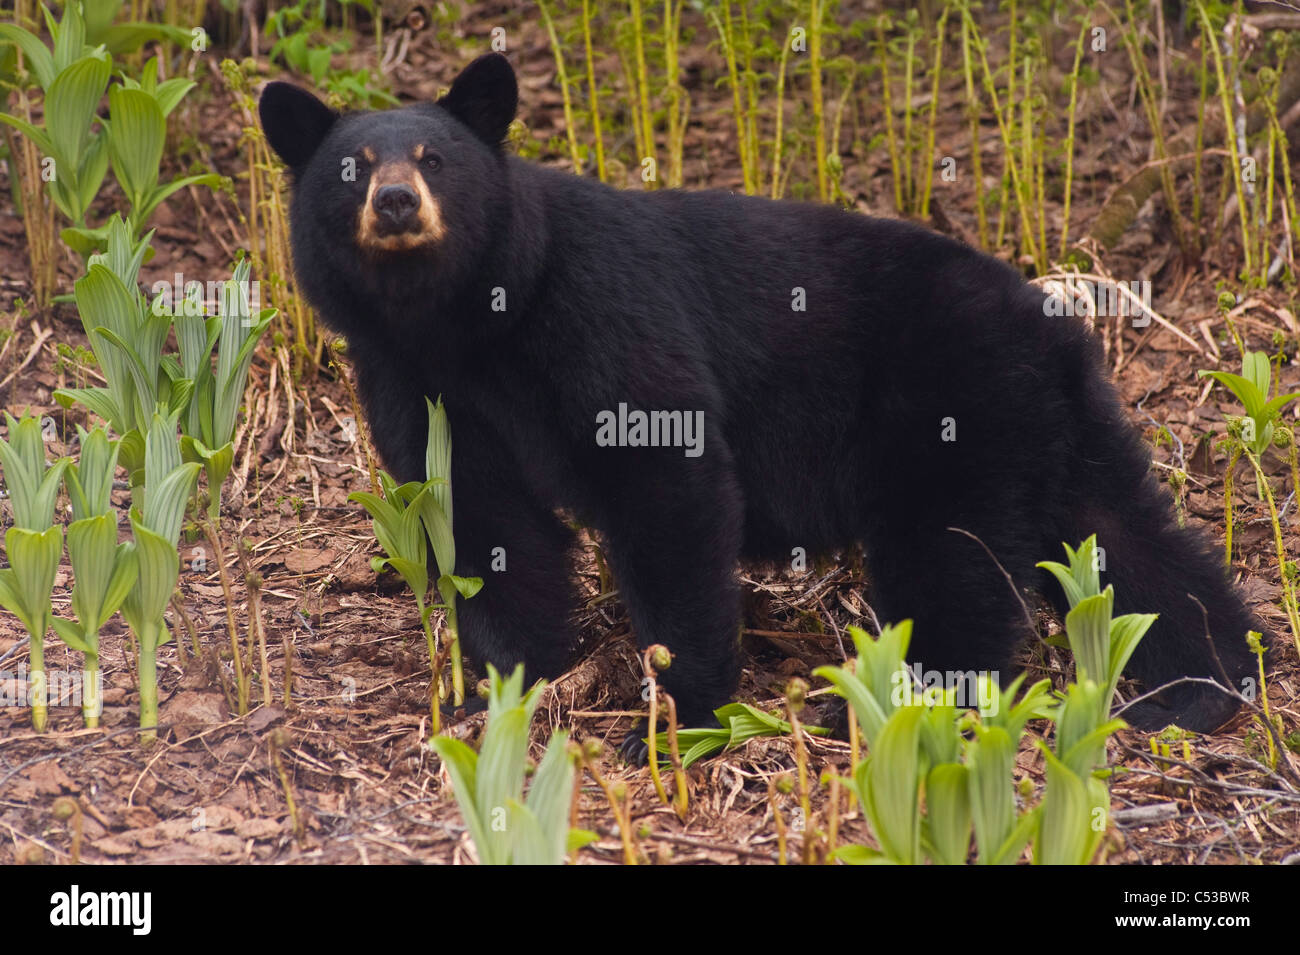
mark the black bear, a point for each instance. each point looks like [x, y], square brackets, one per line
[704, 378]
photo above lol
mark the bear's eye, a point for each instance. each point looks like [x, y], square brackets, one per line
[433, 162]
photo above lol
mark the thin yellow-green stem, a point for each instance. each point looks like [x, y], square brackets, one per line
[1132, 37]
[645, 117]
[934, 112]
[1263, 703]
[1233, 456]
[570, 126]
[1040, 153]
[726, 33]
[1294, 460]
[257, 632]
[837, 190]
[676, 122]
[1003, 128]
[973, 114]
[593, 94]
[278, 739]
[833, 823]
[777, 142]
[882, 48]
[1027, 159]
[620, 808]
[675, 757]
[749, 80]
[909, 59]
[1008, 176]
[653, 726]
[453, 649]
[778, 821]
[241, 677]
[1229, 134]
[1288, 581]
[1268, 207]
[40, 687]
[819, 118]
[1278, 137]
[1289, 210]
[626, 56]
[435, 679]
[855, 748]
[148, 673]
[801, 764]
[1013, 57]
[91, 698]
[1071, 118]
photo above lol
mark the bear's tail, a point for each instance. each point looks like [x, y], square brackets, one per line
[1156, 567]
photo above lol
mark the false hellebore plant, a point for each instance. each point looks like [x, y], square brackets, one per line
[406, 519]
[155, 527]
[104, 570]
[508, 827]
[127, 339]
[209, 421]
[34, 544]
[936, 773]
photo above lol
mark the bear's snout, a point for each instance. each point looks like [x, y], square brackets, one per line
[400, 214]
[396, 206]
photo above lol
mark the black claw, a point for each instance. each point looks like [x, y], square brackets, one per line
[475, 704]
[835, 717]
[634, 748]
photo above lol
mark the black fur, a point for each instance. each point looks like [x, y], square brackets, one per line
[822, 427]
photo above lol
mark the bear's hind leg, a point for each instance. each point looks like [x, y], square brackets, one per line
[966, 616]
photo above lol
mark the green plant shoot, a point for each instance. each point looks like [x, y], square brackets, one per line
[104, 570]
[506, 826]
[155, 528]
[33, 545]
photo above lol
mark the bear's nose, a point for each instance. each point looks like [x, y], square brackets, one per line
[396, 205]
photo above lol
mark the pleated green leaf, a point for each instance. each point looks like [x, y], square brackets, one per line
[39, 59]
[69, 36]
[33, 563]
[91, 171]
[1088, 628]
[548, 802]
[892, 785]
[159, 563]
[135, 141]
[948, 813]
[462, 766]
[1065, 833]
[990, 757]
[70, 106]
[90, 480]
[71, 634]
[437, 458]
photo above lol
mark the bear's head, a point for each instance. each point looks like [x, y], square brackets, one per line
[414, 190]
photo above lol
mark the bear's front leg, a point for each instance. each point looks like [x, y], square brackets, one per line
[393, 396]
[674, 537]
[523, 553]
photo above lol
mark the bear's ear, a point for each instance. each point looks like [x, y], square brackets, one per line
[484, 97]
[295, 122]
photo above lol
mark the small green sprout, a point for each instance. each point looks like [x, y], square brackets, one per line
[104, 570]
[406, 519]
[507, 827]
[155, 528]
[1251, 388]
[33, 545]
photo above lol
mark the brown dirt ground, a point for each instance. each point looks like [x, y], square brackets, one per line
[353, 750]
